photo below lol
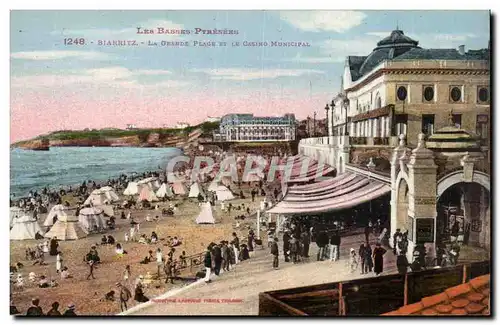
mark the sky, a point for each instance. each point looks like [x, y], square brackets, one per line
[61, 87]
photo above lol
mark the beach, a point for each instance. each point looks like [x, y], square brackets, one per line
[88, 295]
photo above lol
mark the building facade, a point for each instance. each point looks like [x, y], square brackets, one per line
[423, 115]
[401, 88]
[247, 127]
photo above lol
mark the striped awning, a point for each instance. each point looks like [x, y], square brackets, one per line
[303, 169]
[345, 191]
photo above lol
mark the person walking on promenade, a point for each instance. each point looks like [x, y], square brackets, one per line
[378, 257]
[368, 230]
[335, 245]
[275, 253]
[286, 245]
[306, 241]
[321, 241]
[208, 264]
[236, 248]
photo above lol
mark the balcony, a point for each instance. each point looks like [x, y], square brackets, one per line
[335, 141]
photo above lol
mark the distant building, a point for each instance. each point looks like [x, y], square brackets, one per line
[131, 126]
[246, 127]
[181, 125]
[212, 119]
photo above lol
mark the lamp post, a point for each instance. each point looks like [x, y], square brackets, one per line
[346, 105]
[371, 165]
[327, 133]
[332, 105]
[314, 125]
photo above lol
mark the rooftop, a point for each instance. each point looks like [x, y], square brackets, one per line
[471, 298]
[399, 47]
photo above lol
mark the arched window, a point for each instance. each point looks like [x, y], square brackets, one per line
[378, 101]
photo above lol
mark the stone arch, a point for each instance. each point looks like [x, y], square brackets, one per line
[402, 203]
[458, 177]
[472, 204]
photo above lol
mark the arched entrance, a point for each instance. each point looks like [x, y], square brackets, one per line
[468, 205]
[402, 206]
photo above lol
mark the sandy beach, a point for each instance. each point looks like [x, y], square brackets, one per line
[88, 295]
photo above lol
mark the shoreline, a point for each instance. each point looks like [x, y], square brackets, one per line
[99, 182]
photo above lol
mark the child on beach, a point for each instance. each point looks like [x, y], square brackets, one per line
[126, 273]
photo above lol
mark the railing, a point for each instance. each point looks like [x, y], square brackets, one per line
[350, 140]
[315, 141]
[369, 296]
[359, 140]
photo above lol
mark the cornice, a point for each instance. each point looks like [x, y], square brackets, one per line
[417, 71]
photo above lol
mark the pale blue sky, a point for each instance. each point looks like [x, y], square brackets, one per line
[41, 64]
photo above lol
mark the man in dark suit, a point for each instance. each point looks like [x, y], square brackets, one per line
[321, 241]
[275, 252]
[286, 245]
[335, 245]
[217, 256]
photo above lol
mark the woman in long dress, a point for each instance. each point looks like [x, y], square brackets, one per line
[58, 263]
[378, 257]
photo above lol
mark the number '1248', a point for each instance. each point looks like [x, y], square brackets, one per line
[74, 41]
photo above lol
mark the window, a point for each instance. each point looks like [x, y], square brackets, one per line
[482, 126]
[428, 93]
[457, 120]
[428, 124]
[401, 123]
[483, 94]
[402, 93]
[455, 94]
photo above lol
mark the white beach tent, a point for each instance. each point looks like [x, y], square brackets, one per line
[195, 190]
[227, 181]
[107, 209]
[179, 188]
[90, 218]
[213, 186]
[164, 191]
[132, 189]
[152, 182]
[223, 193]
[16, 212]
[66, 227]
[57, 211]
[101, 196]
[206, 214]
[147, 194]
[25, 227]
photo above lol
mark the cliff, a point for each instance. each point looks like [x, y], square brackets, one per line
[120, 138]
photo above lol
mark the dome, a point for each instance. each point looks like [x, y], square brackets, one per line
[451, 138]
[397, 38]
[387, 49]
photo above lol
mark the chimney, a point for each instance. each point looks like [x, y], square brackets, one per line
[461, 49]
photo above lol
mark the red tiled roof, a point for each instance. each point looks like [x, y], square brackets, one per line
[471, 298]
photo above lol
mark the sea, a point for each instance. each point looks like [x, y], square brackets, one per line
[34, 170]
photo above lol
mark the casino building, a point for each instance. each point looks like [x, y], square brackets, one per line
[418, 120]
[247, 127]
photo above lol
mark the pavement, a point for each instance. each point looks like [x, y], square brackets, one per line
[236, 292]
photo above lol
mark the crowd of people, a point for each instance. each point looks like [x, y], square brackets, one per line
[226, 254]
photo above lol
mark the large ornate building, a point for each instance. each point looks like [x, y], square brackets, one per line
[247, 127]
[418, 120]
[401, 88]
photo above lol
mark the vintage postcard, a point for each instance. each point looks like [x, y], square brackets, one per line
[270, 163]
